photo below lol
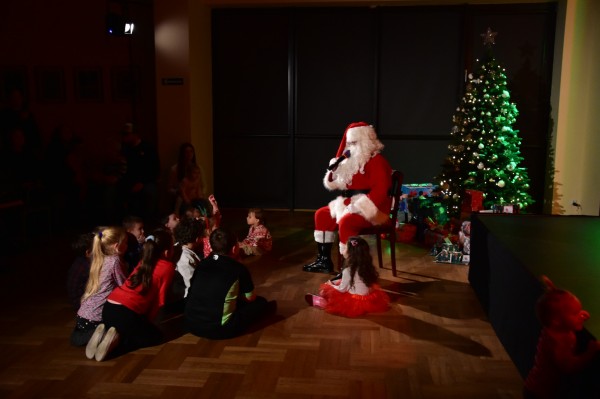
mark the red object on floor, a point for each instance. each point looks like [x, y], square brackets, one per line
[406, 233]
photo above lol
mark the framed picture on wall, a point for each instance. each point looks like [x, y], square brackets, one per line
[13, 77]
[89, 84]
[50, 84]
[124, 82]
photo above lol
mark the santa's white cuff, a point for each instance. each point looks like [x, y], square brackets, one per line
[337, 208]
[324, 237]
[334, 184]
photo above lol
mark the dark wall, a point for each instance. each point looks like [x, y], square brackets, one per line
[288, 81]
[73, 72]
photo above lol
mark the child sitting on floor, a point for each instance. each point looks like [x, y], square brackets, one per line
[134, 227]
[561, 316]
[259, 240]
[106, 273]
[211, 224]
[131, 308]
[188, 234]
[357, 292]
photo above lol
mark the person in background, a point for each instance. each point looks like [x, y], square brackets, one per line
[139, 183]
[357, 292]
[17, 114]
[64, 174]
[170, 221]
[221, 302]
[259, 240]
[191, 187]
[20, 170]
[557, 358]
[188, 240]
[185, 158]
[79, 272]
[107, 271]
[132, 308]
[134, 227]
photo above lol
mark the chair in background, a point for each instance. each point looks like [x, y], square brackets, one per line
[387, 230]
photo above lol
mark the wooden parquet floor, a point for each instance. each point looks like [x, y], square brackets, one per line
[433, 343]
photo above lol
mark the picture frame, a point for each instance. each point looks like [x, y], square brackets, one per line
[124, 83]
[89, 84]
[50, 85]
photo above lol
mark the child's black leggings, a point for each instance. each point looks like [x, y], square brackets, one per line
[135, 330]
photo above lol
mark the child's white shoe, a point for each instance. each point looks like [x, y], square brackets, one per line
[108, 343]
[92, 345]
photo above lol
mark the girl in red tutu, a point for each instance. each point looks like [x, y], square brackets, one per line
[356, 293]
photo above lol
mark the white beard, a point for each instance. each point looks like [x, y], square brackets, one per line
[351, 166]
[360, 154]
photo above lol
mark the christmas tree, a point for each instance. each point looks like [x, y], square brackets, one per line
[484, 153]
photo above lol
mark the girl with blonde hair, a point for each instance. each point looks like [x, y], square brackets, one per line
[132, 308]
[107, 271]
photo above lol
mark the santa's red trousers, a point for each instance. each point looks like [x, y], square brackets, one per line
[349, 225]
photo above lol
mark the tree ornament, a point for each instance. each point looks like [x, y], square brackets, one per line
[480, 146]
[500, 183]
[480, 165]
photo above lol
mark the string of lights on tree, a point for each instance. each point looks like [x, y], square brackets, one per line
[484, 152]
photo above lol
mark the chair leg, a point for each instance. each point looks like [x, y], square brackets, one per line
[392, 239]
[379, 254]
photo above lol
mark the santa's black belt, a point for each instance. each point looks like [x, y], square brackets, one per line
[351, 193]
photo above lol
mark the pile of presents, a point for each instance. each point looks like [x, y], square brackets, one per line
[423, 218]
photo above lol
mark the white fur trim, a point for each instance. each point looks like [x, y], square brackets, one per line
[335, 184]
[337, 208]
[363, 205]
[324, 237]
[361, 132]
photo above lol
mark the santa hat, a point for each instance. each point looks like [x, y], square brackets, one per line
[356, 131]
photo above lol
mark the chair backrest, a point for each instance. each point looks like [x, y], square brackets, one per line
[395, 193]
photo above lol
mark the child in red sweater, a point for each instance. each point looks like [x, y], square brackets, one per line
[130, 309]
[259, 240]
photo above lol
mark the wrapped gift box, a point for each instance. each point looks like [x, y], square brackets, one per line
[406, 232]
[472, 201]
[506, 208]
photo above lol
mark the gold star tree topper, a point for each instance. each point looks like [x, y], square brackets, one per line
[489, 37]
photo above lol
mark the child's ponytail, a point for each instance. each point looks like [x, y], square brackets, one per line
[104, 240]
[360, 261]
[155, 246]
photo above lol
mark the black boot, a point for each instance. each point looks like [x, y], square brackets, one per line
[323, 263]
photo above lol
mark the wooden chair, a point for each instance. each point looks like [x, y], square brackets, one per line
[388, 230]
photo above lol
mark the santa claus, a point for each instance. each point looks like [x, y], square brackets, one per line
[363, 178]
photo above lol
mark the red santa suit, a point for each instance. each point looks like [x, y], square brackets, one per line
[363, 180]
